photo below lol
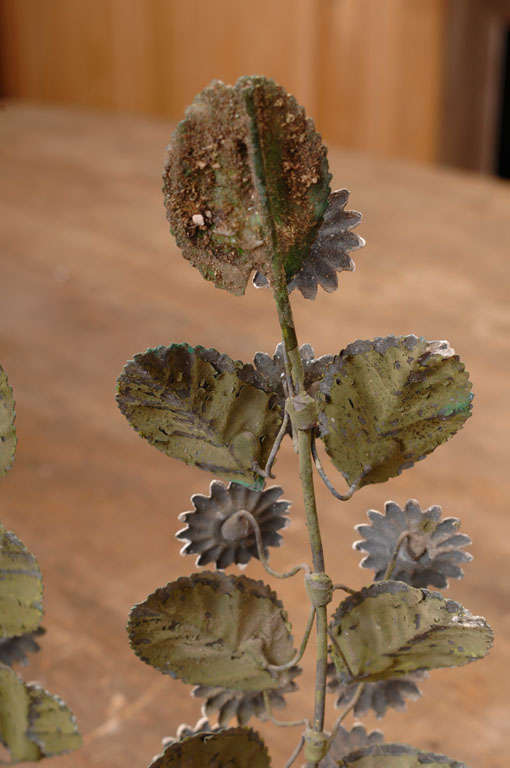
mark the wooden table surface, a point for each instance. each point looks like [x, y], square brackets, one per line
[90, 275]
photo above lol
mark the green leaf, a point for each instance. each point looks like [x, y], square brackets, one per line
[234, 747]
[396, 756]
[390, 629]
[7, 428]
[192, 404]
[20, 587]
[246, 183]
[51, 724]
[212, 629]
[33, 723]
[387, 403]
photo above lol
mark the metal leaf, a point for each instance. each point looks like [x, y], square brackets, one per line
[390, 629]
[387, 403]
[429, 554]
[343, 742]
[246, 183]
[329, 253]
[33, 723]
[7, 428]
[20, 587]
[191, 404]
[15, 649]
[217, 531]
[234, 747]
[396, 756]
[212, 629]
[379, 697]
[51, 724]
[227, 704]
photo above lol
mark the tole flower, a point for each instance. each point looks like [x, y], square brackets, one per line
[245, 704]
[343, 742]
[15, 649]
[378, 696]
[430, 548]
[219, 531]
[271, 369]
[185, 731]
[329, 253]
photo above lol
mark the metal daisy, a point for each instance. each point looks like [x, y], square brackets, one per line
[423, 550]
[222, 527]
[243, 705]
[378, 696]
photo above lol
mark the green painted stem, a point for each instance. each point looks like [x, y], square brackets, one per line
[304, 446]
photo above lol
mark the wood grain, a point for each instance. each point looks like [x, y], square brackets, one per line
[90, 276]
[369, 71]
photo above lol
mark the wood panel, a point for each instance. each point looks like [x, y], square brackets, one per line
[381, 75]
[472, 83]
[368, 70]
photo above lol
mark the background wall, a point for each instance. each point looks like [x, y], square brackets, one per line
[417, 79]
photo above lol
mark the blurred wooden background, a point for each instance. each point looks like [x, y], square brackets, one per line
[418, 79]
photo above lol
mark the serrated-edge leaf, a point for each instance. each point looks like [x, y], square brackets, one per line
[33, 722]
[51, 724]
[390, 629]
[396, 756]
[235, 747]
[387, 403]
[7, 427]
[21, 588]
[245, 149]
[213, 629]
[192, 404]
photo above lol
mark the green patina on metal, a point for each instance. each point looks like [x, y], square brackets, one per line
[396, 756]
[191, 404]
[391, 629]
[387, 403]
[213, 629]
[33, 723]
[20, 587]
[246, 182]
[7, 428]
[234, 747]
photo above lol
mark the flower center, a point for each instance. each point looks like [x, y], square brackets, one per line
[235, 527]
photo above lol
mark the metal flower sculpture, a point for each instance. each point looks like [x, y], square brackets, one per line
[247, 192]
[429, 549]
[221, 529]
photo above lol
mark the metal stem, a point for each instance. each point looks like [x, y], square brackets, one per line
[302, 647]
[262, 555]
[327, 482]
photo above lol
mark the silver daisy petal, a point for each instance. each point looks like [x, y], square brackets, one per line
[329, 253]
[380, 696]
[226, 704]
[343, 742]
[271, 370]
[431, 549]
[218, 531]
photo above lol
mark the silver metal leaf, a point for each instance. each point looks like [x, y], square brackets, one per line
[380, 696]
[226, 704]
[430, 553]
[329, 253]
[217, 531]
